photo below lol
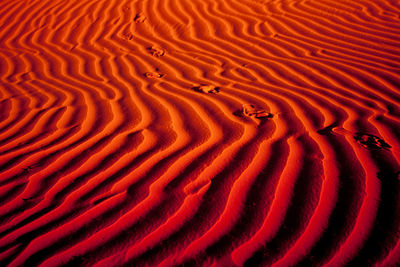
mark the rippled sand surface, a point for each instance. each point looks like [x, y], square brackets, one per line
[199, 133]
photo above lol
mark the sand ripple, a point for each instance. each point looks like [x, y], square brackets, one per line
[200, 133]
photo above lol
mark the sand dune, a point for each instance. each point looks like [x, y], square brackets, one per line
[200, 133]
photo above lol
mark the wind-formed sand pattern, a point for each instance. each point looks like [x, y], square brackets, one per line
[199, 133]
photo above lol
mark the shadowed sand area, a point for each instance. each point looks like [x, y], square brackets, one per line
[200, 133]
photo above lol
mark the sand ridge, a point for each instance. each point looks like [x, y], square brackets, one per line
[203, 132]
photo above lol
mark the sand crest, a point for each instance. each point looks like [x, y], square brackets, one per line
[200, 133]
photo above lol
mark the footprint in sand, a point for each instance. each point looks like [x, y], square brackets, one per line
[156, 51]
[128, 36]
[371, 142]
[153, 75]
[368, 141]
[27, 170]
[139, 18]
[203, 88]
[250, 110]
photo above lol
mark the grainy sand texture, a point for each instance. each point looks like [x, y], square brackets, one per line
[200, 133]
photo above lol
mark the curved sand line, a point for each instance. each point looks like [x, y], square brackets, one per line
[109, 155]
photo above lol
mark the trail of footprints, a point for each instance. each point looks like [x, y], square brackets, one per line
[289, 159]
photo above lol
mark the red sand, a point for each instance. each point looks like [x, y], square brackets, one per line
[200, 133]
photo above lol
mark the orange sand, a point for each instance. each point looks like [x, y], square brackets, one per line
[200, 133]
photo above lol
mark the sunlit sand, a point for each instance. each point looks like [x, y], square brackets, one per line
[200, 133]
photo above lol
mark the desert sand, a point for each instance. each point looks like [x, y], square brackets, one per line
[200, 133]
